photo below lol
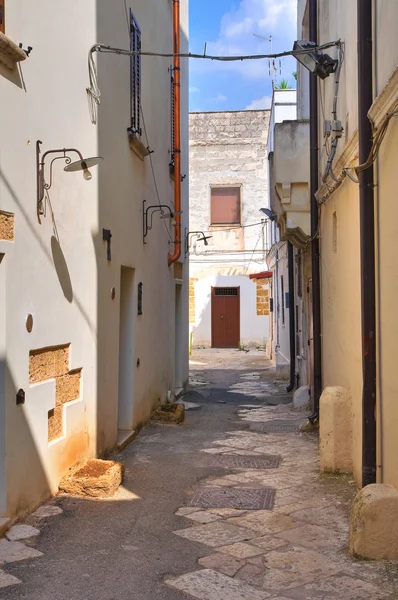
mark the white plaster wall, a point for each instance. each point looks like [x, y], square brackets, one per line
[254, 330]
[67, 289]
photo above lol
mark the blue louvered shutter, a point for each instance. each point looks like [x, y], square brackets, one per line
[135, 46]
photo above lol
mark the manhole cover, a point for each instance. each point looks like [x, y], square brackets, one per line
[244, 499]
[247, 462]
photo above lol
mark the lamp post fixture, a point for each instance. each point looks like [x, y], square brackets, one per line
[188, 238]
[147, 216]
[82, 164]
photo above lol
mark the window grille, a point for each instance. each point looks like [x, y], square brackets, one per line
[225, 291]
[135, 62]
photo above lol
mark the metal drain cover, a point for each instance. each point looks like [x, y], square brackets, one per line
[247, 462]
[239, 498]
[275, 426]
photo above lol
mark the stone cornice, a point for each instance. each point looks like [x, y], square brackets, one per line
[10, 53]
[386, 102]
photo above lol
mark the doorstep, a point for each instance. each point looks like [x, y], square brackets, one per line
[124, 437]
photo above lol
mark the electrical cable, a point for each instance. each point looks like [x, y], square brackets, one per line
[255, 248]
[104, 48]
[153, 173]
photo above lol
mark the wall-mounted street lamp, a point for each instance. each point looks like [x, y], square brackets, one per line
[201, 237]
[315, 61]
[82, 164]
[270, 214]
[147, 214]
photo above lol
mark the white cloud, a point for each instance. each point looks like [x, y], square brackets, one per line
[263, 17]
[264, 102]
[194, 90]
[220, 98]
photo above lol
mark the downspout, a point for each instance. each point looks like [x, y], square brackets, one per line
[367, 242]
[316, 281]
[172, 258]
[292, 330]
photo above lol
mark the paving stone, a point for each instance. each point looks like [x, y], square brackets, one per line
[47, 510]
[252, 575]
[210, 585]
[21, 532]
[342, 587]
[293, 567]
[268, 542]
[224, 563]
[246, 462]
[242, 550]
[6, 579]
[247, 499]
[313, 537]
[203, 516]
[265, 523]
[329, 516]
[186, 510]
[227, 512]
[215, 534]
[15, 551]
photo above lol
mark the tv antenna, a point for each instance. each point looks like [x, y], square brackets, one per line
[274, 64]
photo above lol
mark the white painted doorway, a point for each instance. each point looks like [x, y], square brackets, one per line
[126, 353]
[3, 374]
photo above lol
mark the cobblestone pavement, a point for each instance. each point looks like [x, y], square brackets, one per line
[229, 506]
[295, 550]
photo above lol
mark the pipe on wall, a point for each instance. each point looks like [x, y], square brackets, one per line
[315, 259]
[173, 257]
[367, 241]
[292, 330]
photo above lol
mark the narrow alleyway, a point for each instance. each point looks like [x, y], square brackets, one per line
[175, 529]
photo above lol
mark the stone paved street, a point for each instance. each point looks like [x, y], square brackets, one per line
[215, 510]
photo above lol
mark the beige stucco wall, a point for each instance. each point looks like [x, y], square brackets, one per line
[341, 304]
[57, 271]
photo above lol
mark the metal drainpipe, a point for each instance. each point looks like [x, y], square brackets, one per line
[316, 280]
[173, 257]
[292, 331]
[367, 242]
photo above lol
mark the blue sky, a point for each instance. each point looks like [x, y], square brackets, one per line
[227, 26]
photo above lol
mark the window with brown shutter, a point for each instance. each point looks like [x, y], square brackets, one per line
[225, 206]
[2, 16]
[135, 46]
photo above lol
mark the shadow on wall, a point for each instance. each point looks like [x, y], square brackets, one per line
[23, 480]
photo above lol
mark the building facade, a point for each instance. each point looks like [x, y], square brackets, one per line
[227, 240]
[93, 329]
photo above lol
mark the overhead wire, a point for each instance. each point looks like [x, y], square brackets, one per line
[153, 173]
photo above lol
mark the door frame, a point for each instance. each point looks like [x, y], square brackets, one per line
[234, 287]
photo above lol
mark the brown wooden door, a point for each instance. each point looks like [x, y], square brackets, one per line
[225, 317]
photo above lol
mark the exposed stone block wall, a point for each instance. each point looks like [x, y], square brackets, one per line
[53, 363]
[7, 226]
[262, 297]
[192, 315]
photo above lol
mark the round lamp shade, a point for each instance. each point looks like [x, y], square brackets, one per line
[86, 163]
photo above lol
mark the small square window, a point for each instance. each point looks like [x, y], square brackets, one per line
[225, 206]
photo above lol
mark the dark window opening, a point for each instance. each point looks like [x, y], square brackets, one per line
[225, 291]
[225, 206]
[139, 302]
[135, 63]
[2, 16]
[283, 300]
[299, 276]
